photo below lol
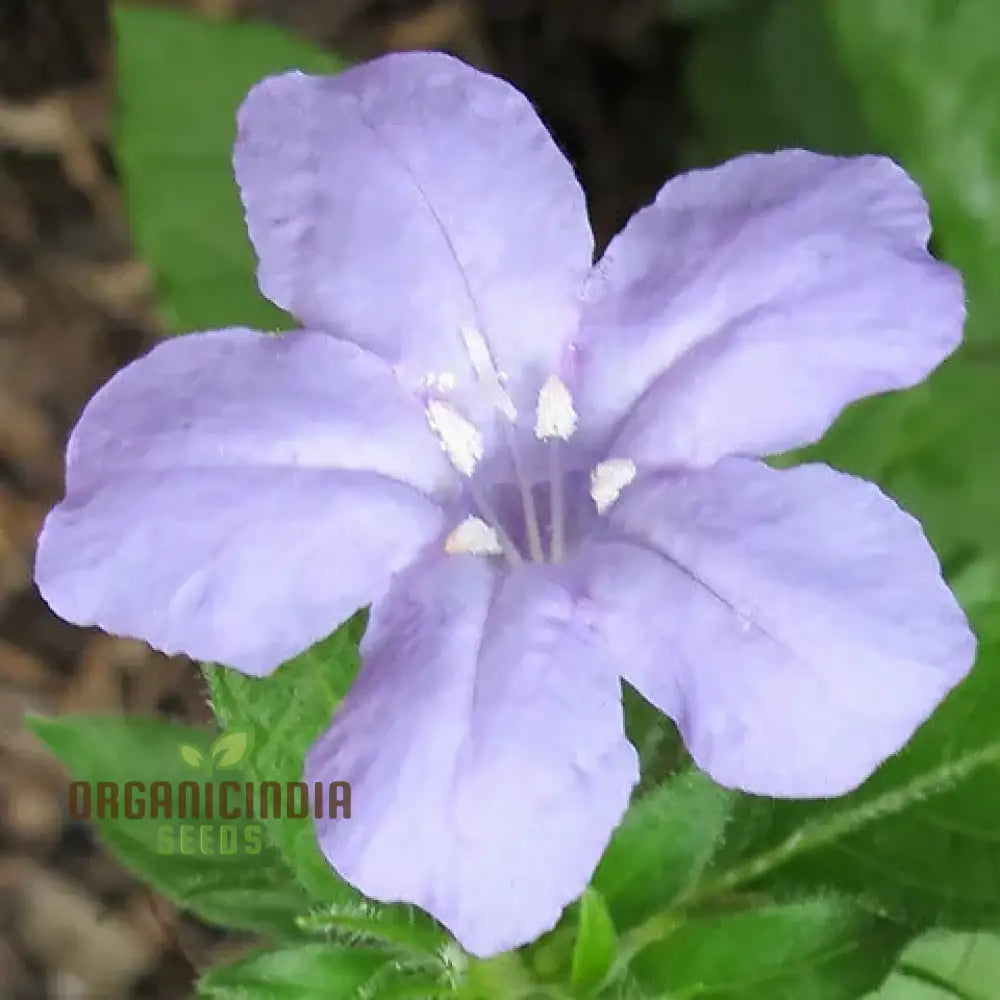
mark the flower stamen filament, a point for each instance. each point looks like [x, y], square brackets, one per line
[531, 529]
[557, 514]
[489, 515]
[555, 421]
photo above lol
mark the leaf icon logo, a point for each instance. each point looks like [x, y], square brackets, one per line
[192, 756]
[229, 749]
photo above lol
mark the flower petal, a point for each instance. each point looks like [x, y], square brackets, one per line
[408, 200]
[484, 744]
[235, 496]
[793, 623]
[749, 304]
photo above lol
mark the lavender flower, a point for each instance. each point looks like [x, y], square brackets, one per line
[543, 475]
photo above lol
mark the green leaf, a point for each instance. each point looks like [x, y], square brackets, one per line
[283, 714]
[305, 972]
[222, 870]
[596, 944]
[811, 94]
[667, 838]
[229, 749]
[946, 966]
[655, 737]
[325, 972]
[765, 75]
[928, 73]
[822, 948]
[918, 845]
[920, 841]
[181, 79]
[400, 928]
[728, 90]
[192, 756]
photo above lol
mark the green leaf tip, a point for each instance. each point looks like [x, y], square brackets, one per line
[596, 944]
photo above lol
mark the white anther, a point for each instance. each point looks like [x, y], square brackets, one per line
[474, 537]
[479, 352]
[461, 442]
[438, 381]
[608, 479]
[556, 416]
[487, 373]
[500, 398]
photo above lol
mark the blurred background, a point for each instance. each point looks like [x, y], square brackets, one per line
[634, 91]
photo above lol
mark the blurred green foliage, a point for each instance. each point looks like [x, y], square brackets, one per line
[927, 75]
[944, 965]
[180, 81]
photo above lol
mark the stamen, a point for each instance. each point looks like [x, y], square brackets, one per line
[462, 443]
[479, 352]
[474, 537]
[531, 528]
[557, 516]
[510, 550]
[556, 416]
[438, 381]
[608, 479]
[486, 372]
[555, 421]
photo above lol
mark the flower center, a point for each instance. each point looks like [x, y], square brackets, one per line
[483, 532]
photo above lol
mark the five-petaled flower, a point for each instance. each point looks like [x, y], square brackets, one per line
[542, 474]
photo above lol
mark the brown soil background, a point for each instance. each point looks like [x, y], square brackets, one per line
[75, 305]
